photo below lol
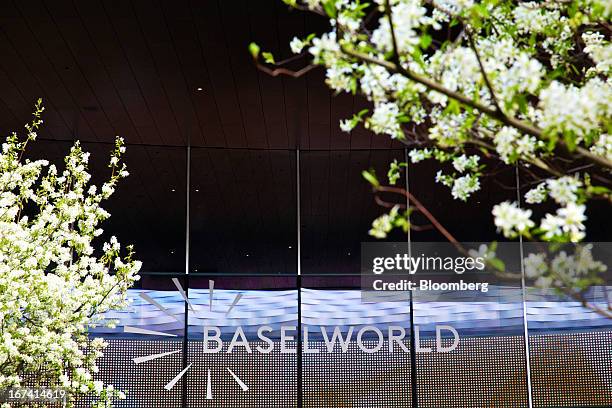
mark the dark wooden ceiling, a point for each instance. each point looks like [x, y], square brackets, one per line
[133, 68]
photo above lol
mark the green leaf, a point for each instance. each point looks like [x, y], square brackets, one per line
[425, 41]
[354, 86]
[522, 102]
[254, 50]
[453, 107]
[570, 142]
[497, 264]
[370, 177]
[330, 8]
[268, 57]
[532, 39]
[598, 190]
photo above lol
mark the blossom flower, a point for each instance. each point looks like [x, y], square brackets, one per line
[552, 98]
[296, 45]
[512, 220]
[573, 109]
[381, 226]
[48, 272]
[408, 15]
[568, 220]
[536, 195]
[464, 186]
[535, 265]
[463, 163]
[384, 120]
[418, 155]
[564, 189]
[339, 78]
[444, 179]
[603, 146]
[346, 125]
[512, 146]
[599, 50]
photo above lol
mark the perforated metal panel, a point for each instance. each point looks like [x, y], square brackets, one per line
[480, 372]
[356, 378]
[271, 378]
[568, 370]
[143, 383]
[572, 369]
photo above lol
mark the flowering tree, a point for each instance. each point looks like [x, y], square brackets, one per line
[53, 284]
[526, 84]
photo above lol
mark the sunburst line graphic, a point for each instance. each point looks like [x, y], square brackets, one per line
[238, 380]
[152, 301]
[151, 357]
[183, 294]
[234, 303]
[144, 359]
[138, 330]
[178, 377]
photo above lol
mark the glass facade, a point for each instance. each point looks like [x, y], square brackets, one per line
[272, 238]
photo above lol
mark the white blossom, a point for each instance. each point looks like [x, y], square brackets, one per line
[564, 189]
[568, 220]
[535, 265]
[512, 220]
[418, 155]
[53, 287]
[346, 125]
[603, 146]
[580, 110]
[536, 195]
[384, 120]
[464, 186]
[599, 50]
[511, 145]
[296, 45]
[463, 163]
[408, 15]
[546, 67]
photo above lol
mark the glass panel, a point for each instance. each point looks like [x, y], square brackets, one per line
[247, 365]
[148, 338]
[338, 207]
[488, 366]
[570, 329]
[367, 372]
[148, 209]
[483, 327]
[243, 212]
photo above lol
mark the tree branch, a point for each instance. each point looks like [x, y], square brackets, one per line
[507, 120]
[284, 71]
[424, 211]
[483, 72]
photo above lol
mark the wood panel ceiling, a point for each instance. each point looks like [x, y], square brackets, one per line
[134, 67]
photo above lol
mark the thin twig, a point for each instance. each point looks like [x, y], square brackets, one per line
[424, 211]
[482, 71]
[284, 71]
